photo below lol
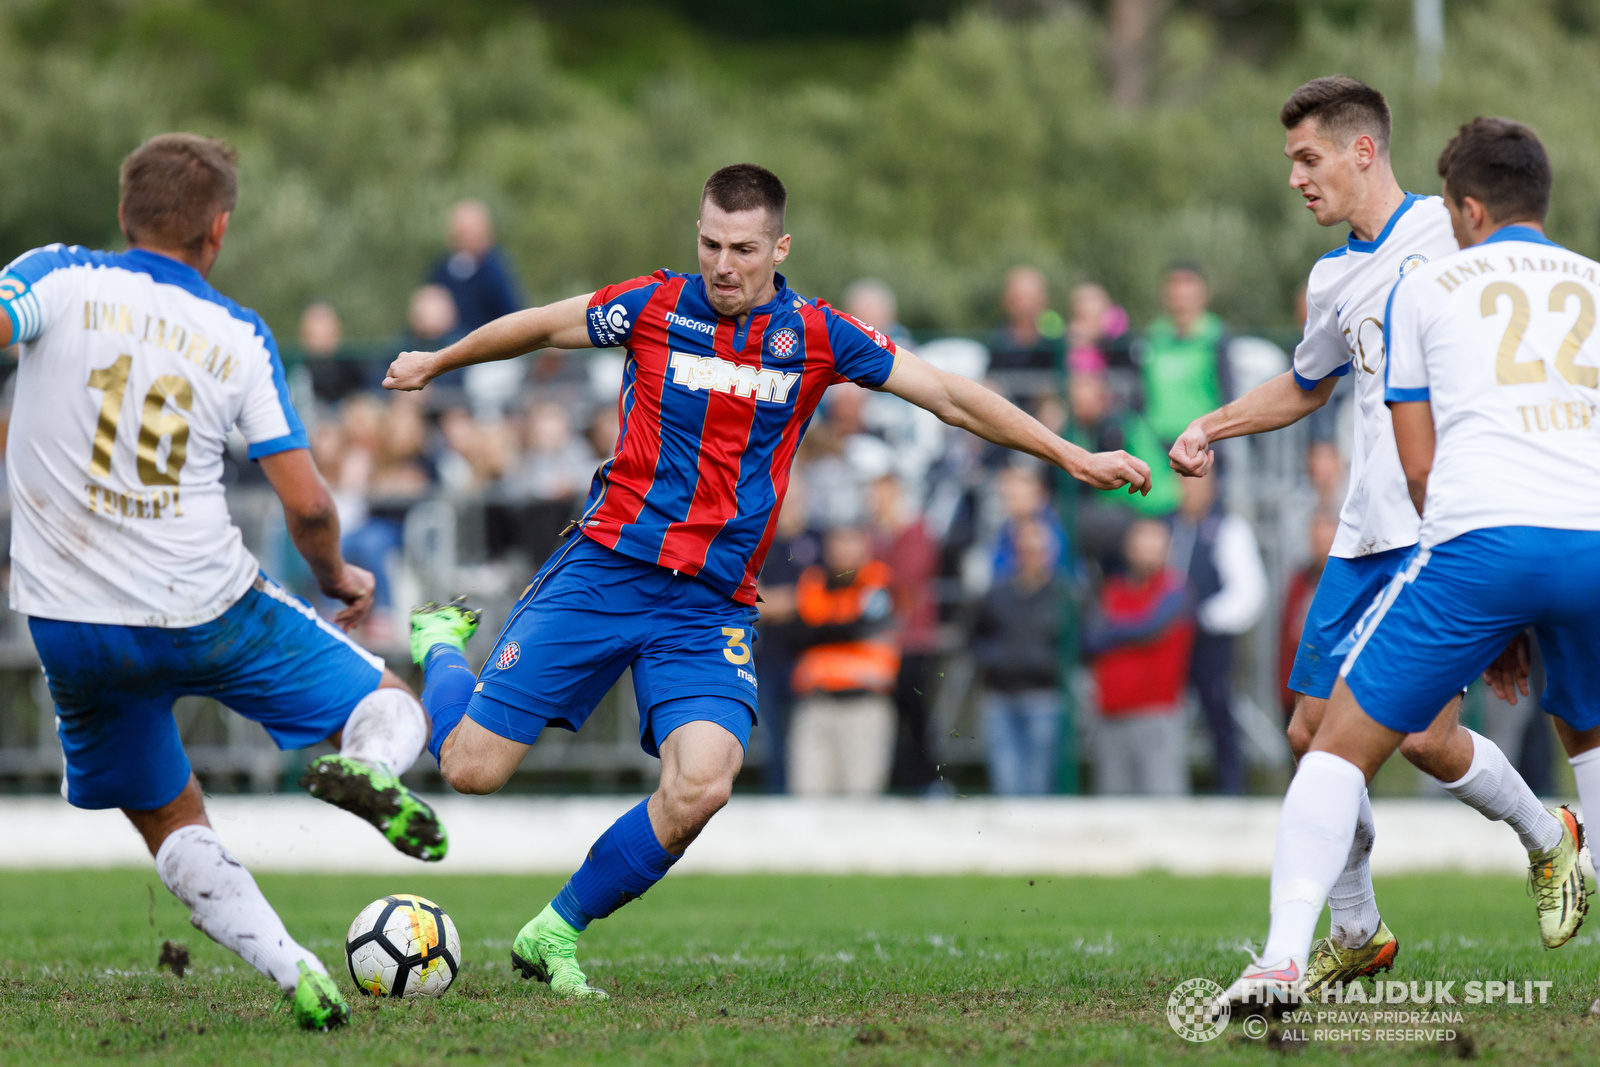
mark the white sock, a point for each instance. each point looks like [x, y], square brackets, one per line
[1315, 832]
[388, 727]
[1586, 769]
[1352, 905]
[226, 905]
[1493, 787]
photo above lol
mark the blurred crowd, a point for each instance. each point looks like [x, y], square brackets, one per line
[1088, 629]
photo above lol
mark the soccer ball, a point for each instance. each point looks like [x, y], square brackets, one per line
[403, 946]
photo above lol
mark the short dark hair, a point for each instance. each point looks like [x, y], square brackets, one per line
[1502, 165]
[746, 186]
[1343, 108]
[174, 185]
[1185, 266]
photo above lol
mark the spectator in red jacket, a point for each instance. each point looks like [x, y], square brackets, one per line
[1138, 637]
[900, 538]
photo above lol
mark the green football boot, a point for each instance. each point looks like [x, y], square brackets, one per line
[1331, 962]
[1555, 881]
[371, 792]
[317, 1004]
[453, 625]
[545, 949]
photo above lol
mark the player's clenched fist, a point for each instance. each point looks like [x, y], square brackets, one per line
[1113, 470]
[410, 370]
[1191, 453]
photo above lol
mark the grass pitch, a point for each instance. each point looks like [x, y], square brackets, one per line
[761, 969]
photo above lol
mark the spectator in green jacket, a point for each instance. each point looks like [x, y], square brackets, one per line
[1183, 358]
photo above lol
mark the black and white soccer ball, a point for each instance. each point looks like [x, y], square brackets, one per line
[403, 946]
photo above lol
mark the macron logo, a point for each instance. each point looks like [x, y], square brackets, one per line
[691, 324]
[717, 374]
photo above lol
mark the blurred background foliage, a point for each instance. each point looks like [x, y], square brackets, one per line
[929, 142]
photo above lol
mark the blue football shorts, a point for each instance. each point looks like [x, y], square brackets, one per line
[270, 657]
[1344, 592]
[1452, 608]
[592, 612]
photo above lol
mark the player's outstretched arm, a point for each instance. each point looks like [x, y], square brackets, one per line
[563, 324]
[1272, 405]
[1413, 439]
[969, 405]
[313, 521]
[5, 330]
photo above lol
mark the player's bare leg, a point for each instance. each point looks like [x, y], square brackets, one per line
[1303, 723]
[479, 761]
[699, 761]
[227, 906]
[381, 741]
[471, 758]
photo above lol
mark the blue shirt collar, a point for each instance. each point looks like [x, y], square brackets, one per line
[780, 295]
[163, 268]
[1516, 232]
[1356, 245]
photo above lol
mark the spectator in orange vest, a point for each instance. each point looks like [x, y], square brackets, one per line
[842, 735]
[1138, 637]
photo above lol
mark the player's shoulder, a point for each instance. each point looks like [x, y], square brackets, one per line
[34, 265]
[1424, 232]
[1329, 268]
[643, 286]
[842, 321]
[614, 308]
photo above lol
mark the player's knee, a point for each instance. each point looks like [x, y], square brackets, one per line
[470, 776]
[695, 799]
[1299, 738]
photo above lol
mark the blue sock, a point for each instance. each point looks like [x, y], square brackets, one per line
[447, 688]
[625, 862]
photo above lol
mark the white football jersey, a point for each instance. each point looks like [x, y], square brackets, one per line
[133, 371]
[1500, 339]
[1345, 299]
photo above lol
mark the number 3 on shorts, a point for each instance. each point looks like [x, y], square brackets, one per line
[737, 651]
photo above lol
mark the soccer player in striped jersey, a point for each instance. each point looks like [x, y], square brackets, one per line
[1338, 140]
[1493, 386]
[725, 369]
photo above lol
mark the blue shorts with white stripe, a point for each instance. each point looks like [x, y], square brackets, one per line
[269, 657]
[1452, 608]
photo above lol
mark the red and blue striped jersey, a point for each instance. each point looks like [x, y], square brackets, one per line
[711, 413]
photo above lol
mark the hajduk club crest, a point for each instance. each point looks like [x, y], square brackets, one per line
[508, 655]
[784, 343]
